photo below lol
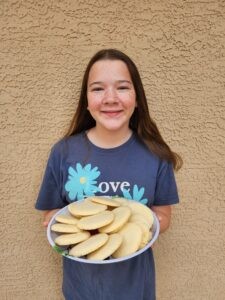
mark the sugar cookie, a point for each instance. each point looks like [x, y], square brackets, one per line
[138, 217]
[65, 228]
[139, 208]
[66, 219]
[105, 200]
[146, 234]
[107, 249]
[122, 201]
[96, 221]
[122, 215]
[72, 238]
[90, 245]
[132, 236]
[85, 208]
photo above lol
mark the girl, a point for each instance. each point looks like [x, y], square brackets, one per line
[113, 148]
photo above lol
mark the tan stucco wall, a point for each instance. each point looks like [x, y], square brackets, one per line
[179, 47]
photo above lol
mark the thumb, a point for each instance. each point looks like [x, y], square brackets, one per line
[45, 223]
[159, 217]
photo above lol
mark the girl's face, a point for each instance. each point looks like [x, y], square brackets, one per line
[111, 95]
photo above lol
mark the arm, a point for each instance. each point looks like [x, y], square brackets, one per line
[48, 214]
[164, 215]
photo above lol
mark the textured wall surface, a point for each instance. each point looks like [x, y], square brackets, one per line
[179, 47]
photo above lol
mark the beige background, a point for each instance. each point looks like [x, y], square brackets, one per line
[179, 48]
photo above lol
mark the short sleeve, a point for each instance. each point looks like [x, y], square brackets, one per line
[166, 187]
[49, 195]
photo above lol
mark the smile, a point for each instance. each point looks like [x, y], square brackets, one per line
[111, 113]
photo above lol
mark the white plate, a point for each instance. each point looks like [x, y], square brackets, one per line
[51, 235]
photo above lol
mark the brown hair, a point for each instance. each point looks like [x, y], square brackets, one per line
[140, 121]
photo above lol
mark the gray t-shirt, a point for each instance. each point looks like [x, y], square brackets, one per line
[76, 168]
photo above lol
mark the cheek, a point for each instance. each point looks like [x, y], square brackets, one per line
[130, 101]
[94, 102]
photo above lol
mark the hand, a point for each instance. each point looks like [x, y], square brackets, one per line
[48, 215]
[163, 214]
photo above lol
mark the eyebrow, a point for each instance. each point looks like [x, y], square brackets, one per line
[118, 81]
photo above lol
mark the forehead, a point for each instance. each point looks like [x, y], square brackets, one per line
[113, 69]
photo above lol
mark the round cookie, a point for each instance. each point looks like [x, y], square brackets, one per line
[66, 219]
[85, 208]
[146, 234]
[139, 208]
[72, 238]
[107, 249]
[139, 218]
[105, 200]
[122, 201]
[121, 216]
[132, 236]
[65, 228]
[90, 245]
[96, 221]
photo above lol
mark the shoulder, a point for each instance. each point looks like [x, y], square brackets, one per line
[67, 144]
[159, 164]
[144, 150]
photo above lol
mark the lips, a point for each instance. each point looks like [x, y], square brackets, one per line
[111, 113]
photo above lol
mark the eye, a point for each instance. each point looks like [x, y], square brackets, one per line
[97, 89]
[123, 87]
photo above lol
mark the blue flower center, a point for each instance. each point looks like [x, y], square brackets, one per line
[83, 180]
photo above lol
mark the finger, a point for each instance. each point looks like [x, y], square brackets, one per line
[47, 218]
[159, 218]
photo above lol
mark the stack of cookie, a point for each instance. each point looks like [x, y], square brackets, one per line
[99, 228]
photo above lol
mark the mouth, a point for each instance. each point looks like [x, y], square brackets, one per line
[111, 113]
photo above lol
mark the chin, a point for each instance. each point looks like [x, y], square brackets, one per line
[112, 128]
[115, 125]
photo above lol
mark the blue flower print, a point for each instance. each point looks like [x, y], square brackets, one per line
[81, 181]
[137, 194]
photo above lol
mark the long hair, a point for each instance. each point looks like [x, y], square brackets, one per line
[140, 122]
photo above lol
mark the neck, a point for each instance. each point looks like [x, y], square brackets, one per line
[106, 139]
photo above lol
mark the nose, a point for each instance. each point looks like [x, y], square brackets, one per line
[110, 96]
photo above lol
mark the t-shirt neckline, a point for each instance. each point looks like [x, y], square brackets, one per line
[107, 150]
